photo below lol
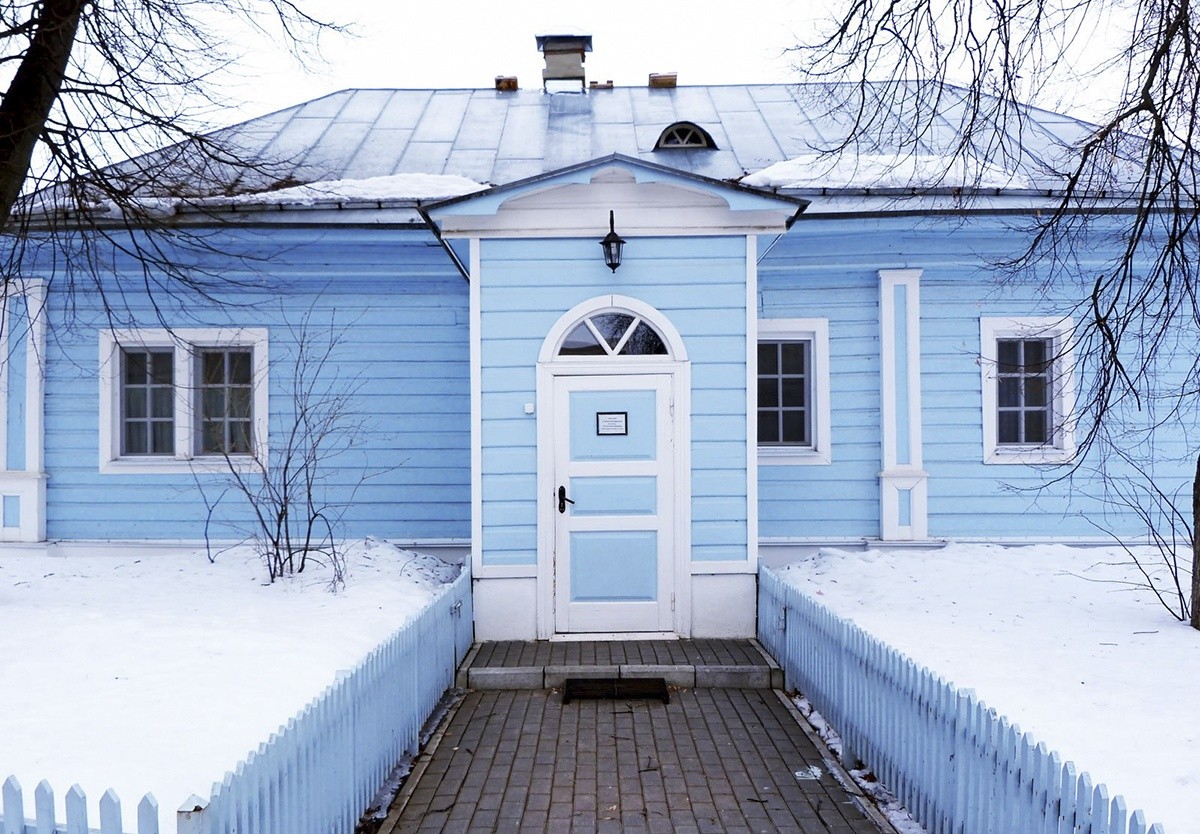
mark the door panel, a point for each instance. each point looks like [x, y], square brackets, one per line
[613, 452]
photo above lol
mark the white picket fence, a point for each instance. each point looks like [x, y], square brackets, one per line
[317, 773]
[957, 765]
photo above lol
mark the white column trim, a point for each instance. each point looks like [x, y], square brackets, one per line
[752, 400]
[476, 339]
[898, 414]
[29, 483]
[5, 329]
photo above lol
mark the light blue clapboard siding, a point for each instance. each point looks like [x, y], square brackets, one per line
[828, 268]
[405, 349]
[841, 499]
[697, 283]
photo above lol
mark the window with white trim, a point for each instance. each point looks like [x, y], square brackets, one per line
[1028, 389]
[792, 393]
[189, 399]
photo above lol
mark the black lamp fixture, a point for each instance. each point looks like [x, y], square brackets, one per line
[612, 244]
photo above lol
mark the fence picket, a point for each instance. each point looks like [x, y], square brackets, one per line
[110, 813]
[958, 766]
[147, 815]
[14, 806]
[76, 803]
[43, 804]
[1118, 816]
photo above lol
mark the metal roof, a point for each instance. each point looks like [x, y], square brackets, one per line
[495, 137]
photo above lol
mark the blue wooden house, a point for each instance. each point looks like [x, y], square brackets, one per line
[790, 353]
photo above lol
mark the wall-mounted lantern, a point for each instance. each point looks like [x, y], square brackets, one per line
[612, 244]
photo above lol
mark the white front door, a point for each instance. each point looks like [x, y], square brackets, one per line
[614, 559]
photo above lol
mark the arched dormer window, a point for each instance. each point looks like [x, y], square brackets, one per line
[613, 334]
[685, 135]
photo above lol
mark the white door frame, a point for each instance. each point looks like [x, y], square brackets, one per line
[550, 366]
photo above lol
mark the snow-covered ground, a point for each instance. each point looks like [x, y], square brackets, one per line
[160, 673]
[1055, 638]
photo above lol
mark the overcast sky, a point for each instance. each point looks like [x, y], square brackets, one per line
[467, 43]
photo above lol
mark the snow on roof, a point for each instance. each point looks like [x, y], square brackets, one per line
[884, 170]
[391, 188]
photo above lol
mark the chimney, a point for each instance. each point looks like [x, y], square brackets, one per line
[662, 80]
[506, 83]
[564, 58]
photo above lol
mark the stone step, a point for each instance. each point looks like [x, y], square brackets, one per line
[755, 671]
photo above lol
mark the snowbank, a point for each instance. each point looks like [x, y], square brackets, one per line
[161, 673]
[1058, 639]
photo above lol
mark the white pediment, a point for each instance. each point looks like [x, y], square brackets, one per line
[645, 203]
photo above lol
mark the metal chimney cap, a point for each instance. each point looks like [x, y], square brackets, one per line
[564, 43]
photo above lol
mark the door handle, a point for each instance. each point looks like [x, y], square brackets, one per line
[563, 500]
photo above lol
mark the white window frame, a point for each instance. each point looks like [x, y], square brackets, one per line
[816, 333]
[1059, 331]
[186, 343]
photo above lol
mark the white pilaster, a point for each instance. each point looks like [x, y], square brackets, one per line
[903, 498]
[25, 486]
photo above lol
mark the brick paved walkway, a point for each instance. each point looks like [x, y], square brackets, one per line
[713, 760]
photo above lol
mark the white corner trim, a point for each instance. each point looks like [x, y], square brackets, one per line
[751, 402]
[184, 342]
[903, 489]
[816, 332]
[1061, 330]
[475, 318]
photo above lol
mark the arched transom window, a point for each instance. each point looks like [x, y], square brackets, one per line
[613, 334]
[685, 135]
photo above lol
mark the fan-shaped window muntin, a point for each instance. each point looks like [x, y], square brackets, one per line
[685, 135]
[613, 333]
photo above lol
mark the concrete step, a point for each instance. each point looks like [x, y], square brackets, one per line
[755, 671]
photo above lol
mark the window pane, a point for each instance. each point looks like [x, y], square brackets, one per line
[768, 392]
[162, 437]
[768, 427]
[239, 367]
[239, 402]
[134, 440]
[1008, 355]
[612, 326]
[795, 391]
[239, 438]
[212, 368]
[135, 403]
[793, 357]
[213, 403]
[1008, 391]
[212, 437]
[162, 368]
[1035, 391]
[1036, 426]
[1009, 423]
[581, 342]
[1036, 355]
[795, 426]
[644, 342]
[768, 357]
[162, 402]
[135, 367]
